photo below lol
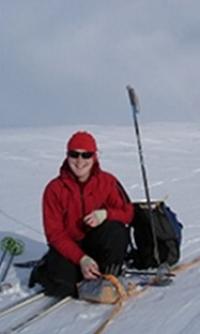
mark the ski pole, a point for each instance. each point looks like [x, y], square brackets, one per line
[134, 103]
[5, 243]
[3, 277]
[14, 248]
[3, 257]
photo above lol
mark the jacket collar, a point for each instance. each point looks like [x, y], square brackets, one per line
[67, 175]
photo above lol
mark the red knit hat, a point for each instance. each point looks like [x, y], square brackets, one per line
[82, 140]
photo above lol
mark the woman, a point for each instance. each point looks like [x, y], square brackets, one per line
[85, 216]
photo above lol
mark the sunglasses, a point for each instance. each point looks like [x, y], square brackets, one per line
[76, 154]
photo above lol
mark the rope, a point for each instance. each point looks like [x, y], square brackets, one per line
[122, 295]
[134, 290]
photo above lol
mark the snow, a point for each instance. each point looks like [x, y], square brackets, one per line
[30, 157]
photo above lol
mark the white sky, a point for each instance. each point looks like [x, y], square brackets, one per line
[69, 61]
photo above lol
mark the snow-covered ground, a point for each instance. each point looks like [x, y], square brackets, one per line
[30, 157]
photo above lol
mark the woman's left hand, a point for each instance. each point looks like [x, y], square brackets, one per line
[95, 218]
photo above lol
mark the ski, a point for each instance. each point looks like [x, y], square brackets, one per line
[134, 272]
[157, 280]
[178, 268]
[21, 303]
[26, 264]
[54, 303]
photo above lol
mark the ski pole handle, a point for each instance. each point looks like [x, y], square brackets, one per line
[133, 98]
[13, 247]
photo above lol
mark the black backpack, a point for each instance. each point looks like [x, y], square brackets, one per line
[168, 234]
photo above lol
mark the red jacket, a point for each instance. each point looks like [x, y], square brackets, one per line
[66, 202]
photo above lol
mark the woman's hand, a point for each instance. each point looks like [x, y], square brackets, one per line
[89, 268]
[95, 218]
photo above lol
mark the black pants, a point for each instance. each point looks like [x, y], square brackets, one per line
[106, 244]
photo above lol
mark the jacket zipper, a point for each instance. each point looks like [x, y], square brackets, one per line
[82, 202]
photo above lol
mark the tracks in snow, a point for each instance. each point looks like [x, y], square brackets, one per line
[18, 316]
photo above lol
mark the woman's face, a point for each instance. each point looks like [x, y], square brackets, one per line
[81, 163]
